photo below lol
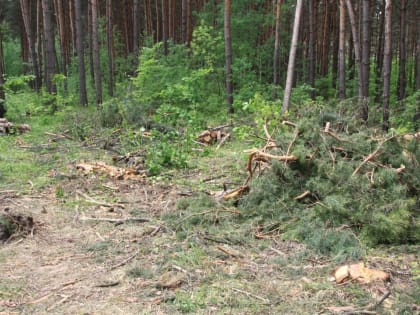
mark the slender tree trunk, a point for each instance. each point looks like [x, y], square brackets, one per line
[387, 63]
[80, 53]
[312, 47]
[110, 46]
[357, 60]
[276, 60]
[24, 5]
[189, 22]
[335, 34]
[184, 16]
[59, 15]
[39, 39]
[90, 45]
[417, 115]
[50, 57]
[2, 80]
[380, 55]
[136, 31]
[165, 27]
[228, 56]
[341, 52]
[325, 41]
[292, 57]
[96, 54]
[403, 52]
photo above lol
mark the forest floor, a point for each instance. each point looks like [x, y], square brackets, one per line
[84, 257]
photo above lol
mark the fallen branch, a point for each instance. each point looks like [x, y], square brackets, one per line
[124, 262]
[302, 195]
[249, 294]
[223, 140]
[288, 123]
[115, 221]
[229, 252]
[99, 203]
[56, 290]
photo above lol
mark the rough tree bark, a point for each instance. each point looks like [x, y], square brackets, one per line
[62, 38]
[165, 27]
[356, 45]
[228, 56]
[184, 16]
[366, 41]
[80, 53]
[95, 44]
[49, 54]
[110, 46]
[401, 85]
[24, 5]
[292, 58]
[387, 64]
[276, 60]
[312, 47]
[2, 81]
[341, 53]
[136, 30]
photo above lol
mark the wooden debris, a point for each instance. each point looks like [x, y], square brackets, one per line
[115, 221]
[358, 272]
[213, 135]
[6, 127]
[111, 171]
[231, 194]
[170, 280]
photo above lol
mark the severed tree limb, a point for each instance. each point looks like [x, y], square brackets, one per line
[125, 261]
[227, 136]
[99, 203]
[302, 195]
[289, 123]
[115, 221]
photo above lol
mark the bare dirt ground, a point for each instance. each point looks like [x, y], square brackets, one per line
[75, 262]
[71, 265]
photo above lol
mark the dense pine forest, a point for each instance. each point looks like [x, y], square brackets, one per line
[209, 156]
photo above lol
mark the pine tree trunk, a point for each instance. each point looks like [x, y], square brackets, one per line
[403, 52]
[96, 54]
[80, 52]
[356, 45]
[335, 34]
[59, 15]
[341, 52]
[292, 57]
[379, 55]
[184, 16]
[49, 56]
[39, 39]
[110, 46]
[90, 45]
[228, 56]
[24, 5]
[387, 64]
[164, 27]
[276, 50]
[2, 80]
[136, 31]
[312, 47]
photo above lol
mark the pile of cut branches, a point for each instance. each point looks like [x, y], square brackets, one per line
[318, 175]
